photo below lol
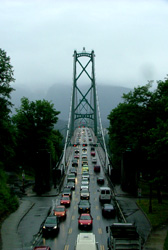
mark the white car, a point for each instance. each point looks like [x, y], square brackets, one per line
[94, 160]
[84, 187]
[84, 183]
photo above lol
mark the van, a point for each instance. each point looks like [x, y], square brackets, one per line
[105, 194]
[86, 241]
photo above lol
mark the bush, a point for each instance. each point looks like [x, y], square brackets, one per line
[8, 202]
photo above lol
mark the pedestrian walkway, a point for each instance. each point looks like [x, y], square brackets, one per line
[156, 239]
[9, 234]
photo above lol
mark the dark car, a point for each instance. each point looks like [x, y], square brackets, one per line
[51, 225]
[65, 200]
[74, 163]
[97, 168]
[71, 185]
[67, 191]
[108, 210]
[84, 206]
[100, 180]
[85, 221]
[73, 171]
[71, 177]
[41, 248]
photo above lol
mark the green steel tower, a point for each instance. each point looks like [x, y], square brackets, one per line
[83, 101]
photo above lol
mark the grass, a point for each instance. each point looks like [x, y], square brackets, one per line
[159, 215]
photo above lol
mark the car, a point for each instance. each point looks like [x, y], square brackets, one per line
[60, 211]
[71, 177]
[84, 186]
[84, 183]
[65, 200]
[85, 179]
[42, 248]
[108, 210]
[67, 191]
[92, 153]
[84, 206]
[84, 149]
[85, 221]
[100, 180]
[74, 163]
[94, 160]
[86, 241]
[84, 194]
[76, 151]
[76, 156]
[85, 168]
[97, 168]
[51, 225]
[84, 163]
[86, 174]
[73, 171]
[70, 185]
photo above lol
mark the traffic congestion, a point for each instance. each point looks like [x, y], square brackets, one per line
[84, 207]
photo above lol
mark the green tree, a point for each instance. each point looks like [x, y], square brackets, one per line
[6, 129]
[142, 121]
[34, 123]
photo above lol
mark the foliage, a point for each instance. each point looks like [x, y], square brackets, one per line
[159, 213]
[142, 122]
[8, 201]
[34, 123]
[7, 141]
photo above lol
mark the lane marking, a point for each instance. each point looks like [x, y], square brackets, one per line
[70, 231]
[101, 247]
[99, 230]
[97, 207]
[73, 217]
[66, 247]
[98, 217]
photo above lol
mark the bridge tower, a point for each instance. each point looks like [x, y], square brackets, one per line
[83, 102]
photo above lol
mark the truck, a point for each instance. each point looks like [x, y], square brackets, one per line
[86, 241]
[123, 236]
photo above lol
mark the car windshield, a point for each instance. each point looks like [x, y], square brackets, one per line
[51, 220]
[85, 217]
[108, 206]
[84, 202]
[65, 198]
[59, 209]
[84, 191]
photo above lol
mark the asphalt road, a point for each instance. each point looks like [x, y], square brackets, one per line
[30, 225]
[69, 228]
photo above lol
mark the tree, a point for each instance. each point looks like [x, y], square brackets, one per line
[34, 123]
[142, 122]
[6, 129]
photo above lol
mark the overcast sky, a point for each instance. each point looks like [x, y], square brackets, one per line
[129, 38]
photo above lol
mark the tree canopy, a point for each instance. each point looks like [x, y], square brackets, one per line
[34, 122]
[142, 122]
[6, 129]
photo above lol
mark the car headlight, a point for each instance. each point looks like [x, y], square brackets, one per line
[81, 223]
[88, 224]
[44, 227]
[55, 227]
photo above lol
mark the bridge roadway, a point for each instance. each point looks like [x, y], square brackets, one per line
[69, 228]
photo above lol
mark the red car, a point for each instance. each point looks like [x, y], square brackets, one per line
[85, 221]
[92, 153]
[42, 248]
[97, 168]
[65, 200]
[60, 211]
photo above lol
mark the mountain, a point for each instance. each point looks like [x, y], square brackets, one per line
[60, 94]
